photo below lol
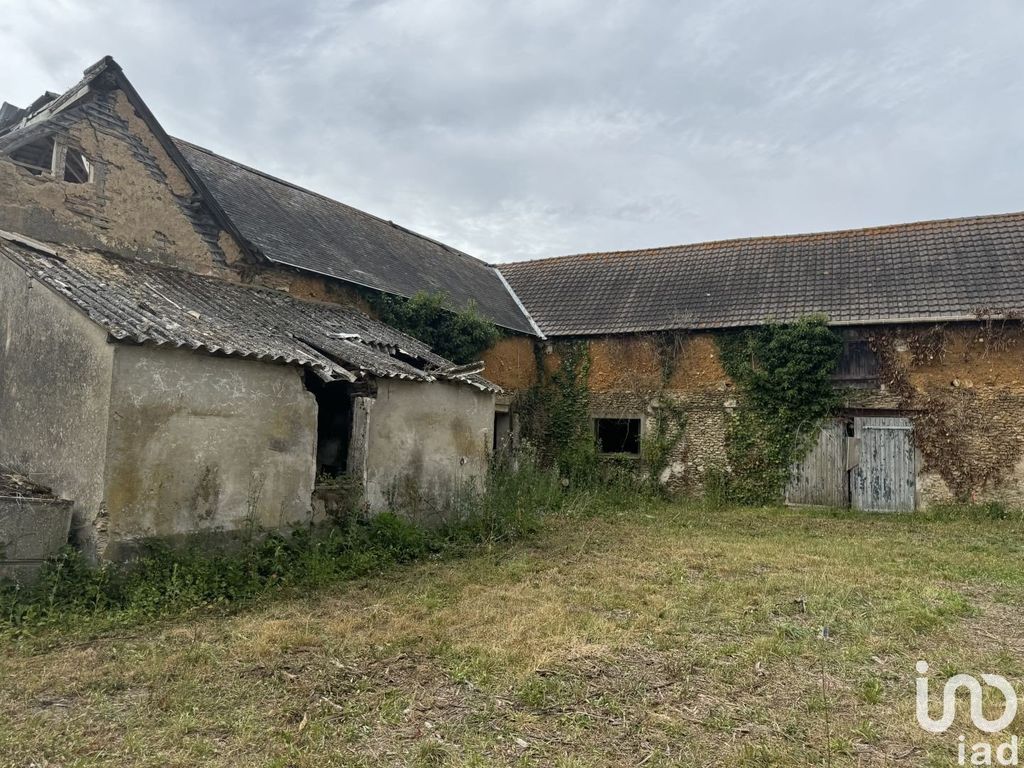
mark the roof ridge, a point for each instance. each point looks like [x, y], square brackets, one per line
[762, 238]
[322, 196]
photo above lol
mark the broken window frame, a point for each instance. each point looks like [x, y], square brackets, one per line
[78, 165]
[82, 169]
[33, 168]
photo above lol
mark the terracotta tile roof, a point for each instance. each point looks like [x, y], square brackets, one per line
[143, 303]
[292, 226]
[928, 271]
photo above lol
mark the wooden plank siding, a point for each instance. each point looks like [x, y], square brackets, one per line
[874, 470]
[820, 478]
[884, 478]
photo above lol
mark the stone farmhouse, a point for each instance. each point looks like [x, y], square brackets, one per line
[188, 345]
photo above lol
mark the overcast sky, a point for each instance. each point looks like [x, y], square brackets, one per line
[534, 128]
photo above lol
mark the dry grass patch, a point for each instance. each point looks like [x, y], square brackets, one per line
[658, 637]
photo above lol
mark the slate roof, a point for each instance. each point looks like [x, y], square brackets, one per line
[928, 271]
[295, 227]
[143, 303]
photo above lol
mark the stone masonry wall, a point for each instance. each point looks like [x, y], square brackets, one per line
[962, 385]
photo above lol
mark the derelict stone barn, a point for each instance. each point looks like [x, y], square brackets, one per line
[188, 345]
[931, 375]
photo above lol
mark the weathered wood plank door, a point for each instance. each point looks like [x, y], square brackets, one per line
[882, 478]
[820, 478]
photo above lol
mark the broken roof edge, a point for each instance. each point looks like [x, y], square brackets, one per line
[321, 363]
[108, 66]
[659, 249]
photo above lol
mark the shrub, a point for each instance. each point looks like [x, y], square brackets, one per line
[460, 335]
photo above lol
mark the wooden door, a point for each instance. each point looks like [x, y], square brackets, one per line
[820, 478]
[884, 471]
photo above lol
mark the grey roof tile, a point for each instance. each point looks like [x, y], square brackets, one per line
[144, 303]
[948, 269]
[298, 228]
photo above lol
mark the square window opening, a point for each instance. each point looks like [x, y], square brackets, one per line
[618, 435]
[77, 168]
[36, 156]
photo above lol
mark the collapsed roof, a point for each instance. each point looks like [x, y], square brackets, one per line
[147, 304]
[948, 270]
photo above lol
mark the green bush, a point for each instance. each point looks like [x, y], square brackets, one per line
[460, 335]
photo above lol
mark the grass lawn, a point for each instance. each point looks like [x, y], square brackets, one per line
[666, 635]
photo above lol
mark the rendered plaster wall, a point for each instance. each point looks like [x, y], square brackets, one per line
[55, 374]
[425, 443]
[206, 444]
[139, 204]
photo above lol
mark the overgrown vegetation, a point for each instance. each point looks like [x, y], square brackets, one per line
[459, 335]
[783, 376]
[655, 638]
[665, 431]
[165, 581]
[555, 415]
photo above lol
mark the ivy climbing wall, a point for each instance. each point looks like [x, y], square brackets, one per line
[962, 386]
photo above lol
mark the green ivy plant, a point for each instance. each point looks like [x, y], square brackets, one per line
[555, 415]
[460, 335]
[784, 377]
[664, 434]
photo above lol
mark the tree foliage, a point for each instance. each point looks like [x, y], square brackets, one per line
[460, 335]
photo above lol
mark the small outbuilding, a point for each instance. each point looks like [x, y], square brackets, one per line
[166, 403]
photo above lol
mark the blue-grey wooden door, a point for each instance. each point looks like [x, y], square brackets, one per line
[883, 475]
[820, 478]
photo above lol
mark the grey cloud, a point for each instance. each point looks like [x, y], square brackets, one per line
[516, 130]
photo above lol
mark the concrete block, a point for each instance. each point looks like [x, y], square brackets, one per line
[31, 530]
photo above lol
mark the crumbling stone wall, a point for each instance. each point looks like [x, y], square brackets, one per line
[140, 204]
[963, 387]
[512, 363]
[628, 376]
[961, 384]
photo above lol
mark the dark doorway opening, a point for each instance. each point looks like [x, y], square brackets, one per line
[333, 424]
[502, 430]
[618, 435]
